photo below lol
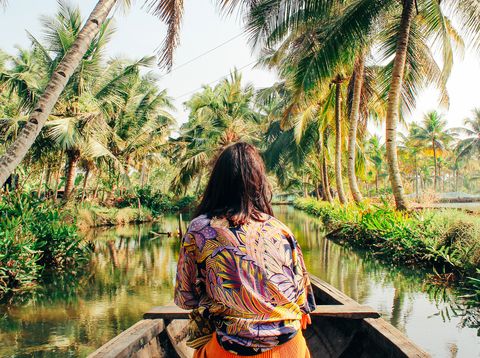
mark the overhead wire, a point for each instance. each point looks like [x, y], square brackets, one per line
[202, 55]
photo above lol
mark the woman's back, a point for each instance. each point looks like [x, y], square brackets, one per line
[250, 280]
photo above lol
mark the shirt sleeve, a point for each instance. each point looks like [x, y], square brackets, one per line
[186, 290]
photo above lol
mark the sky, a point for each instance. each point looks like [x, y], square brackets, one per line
[139, 34]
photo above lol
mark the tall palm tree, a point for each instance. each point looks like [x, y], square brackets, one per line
[59, 79]
[359, 73]
[338, 80]
[470, 146]
[393, 103]
[330, 45]
[434, 135]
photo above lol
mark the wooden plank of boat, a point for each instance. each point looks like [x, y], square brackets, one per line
[382, 333]
[339, 311]
[139, 340]
[331, 333]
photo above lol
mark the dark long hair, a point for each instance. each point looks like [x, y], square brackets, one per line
[238, 188]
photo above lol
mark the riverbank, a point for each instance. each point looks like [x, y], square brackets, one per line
[41, 237]
[444, 241]
[142, 207]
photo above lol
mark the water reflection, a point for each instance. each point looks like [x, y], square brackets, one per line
[129, 273]
[132, 270]
[399, 295]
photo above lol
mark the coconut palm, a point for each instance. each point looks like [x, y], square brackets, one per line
[331, 45]
[142, 128]
[59, 79]
[433, 135]
[376, 155]
[358, 82]
[218, 117]
[23, 75]
[337, 81]
[469, 147]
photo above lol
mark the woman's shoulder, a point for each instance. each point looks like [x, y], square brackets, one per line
[277, 224]
[199, 222]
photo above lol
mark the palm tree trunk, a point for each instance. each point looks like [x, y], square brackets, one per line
[338, 140]
[73, 156]
[17, 151]
[85, 180]
[416, 179]
[142, 174]
[434, 165]
[304, 180]
[393, 104]
[352, 133]
[48, 180]
[97, 184]
[326, 183]
[41, 183]
[456, 180]
[317, 191]
[57, 183]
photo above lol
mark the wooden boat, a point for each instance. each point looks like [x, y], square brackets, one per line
[340, 327]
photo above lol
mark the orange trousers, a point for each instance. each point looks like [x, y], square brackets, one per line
[294, 348]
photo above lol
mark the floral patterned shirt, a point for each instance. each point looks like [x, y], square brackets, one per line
[249, 280]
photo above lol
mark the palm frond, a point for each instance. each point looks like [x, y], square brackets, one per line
[171, 12]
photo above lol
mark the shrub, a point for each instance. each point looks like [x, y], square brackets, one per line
[448, 240]
[19, 265]
[35, 237]
[157, 202]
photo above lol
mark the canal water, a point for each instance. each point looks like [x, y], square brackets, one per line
[132, 271]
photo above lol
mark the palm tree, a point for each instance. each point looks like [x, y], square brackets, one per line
[433, 135]
[218, 117]
[393, 104]
[376, 154]
[142, 126]
[329, 46]
[59, 79]
[470, 146]
[338, 138]
[359, 74]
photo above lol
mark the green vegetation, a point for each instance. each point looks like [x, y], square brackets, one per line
[108, 150]
[446, 240]
[36, 239]
[142, 205]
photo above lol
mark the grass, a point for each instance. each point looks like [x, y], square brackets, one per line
[93, 216]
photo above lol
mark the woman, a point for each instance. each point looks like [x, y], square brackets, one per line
[240, 269]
